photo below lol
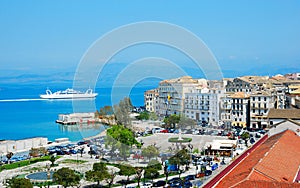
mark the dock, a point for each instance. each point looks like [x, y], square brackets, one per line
[76, 118]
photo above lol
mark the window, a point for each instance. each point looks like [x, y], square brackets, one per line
[253, 98]
[265, 98]
[258, 98]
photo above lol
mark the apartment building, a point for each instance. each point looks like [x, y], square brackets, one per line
[225, 111]
[247, 84]
[197, 103]
[260, 104]
[172, 94]
[240, 109]
[151, 100]
[204, 104]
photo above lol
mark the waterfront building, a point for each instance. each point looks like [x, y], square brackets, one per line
[172, 94]
[203, 104]
[197, 105]
[151, 100]
[260, 104]
[15, 146]
[240, 108]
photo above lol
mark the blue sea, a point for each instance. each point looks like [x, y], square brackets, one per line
[24, 115]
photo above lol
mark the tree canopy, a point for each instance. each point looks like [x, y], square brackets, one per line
[122, 112]
[172, 120]
[150, 151]
[98, 173]
[19, 183]
[104, 111]
[121, 138]
[66, 177]
[126, 170]
[180, 158]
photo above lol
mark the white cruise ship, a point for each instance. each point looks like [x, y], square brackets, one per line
[68, 94]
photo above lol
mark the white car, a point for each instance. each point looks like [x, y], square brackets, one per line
[147, 185]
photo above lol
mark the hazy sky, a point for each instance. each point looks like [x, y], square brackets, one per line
[52, 35]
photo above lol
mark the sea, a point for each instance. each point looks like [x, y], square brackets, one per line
[24, 115]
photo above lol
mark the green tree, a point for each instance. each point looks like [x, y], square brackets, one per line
[19, 183]
[185, 122]
[143, 116]
[153, 116]
[172, 120]
[52, 160]
[150, 151]
[121, 138]
[98, 173]
[126, 170]
[155, 164]
[245, 136]
[181, 158]
[151, 173]
[66, 177]
[122, 112]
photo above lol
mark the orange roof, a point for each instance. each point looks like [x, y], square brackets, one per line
[240, 95]
[276, 161]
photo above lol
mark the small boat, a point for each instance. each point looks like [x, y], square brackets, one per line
[68, 94]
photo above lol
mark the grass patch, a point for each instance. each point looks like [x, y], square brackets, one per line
[73, 161]
[184, 140]
[26, 162]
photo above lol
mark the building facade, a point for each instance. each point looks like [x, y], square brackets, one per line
[260, 104]
[172, 94]
[151, 100]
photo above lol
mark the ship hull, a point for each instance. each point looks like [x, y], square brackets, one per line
[68, 96]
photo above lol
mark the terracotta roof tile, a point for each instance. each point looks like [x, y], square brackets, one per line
[266, 184]
[276, 160]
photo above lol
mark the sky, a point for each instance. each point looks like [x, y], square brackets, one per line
[246, 37]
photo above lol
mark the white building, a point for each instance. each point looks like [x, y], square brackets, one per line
[197, 105]
[260, 104]
[240, 109]
[151, 100]
[172, 94]
[21, 145]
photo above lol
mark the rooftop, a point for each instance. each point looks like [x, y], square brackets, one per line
[240, 95]
[284, 113]
[275, 163]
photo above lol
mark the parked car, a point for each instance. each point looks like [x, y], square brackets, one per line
[81, 143]
[187, 184]
[164, 131]
[200, 175]
[174, 179]
[147, 185]
[137, 156]
[208, 172]
[189, 177]
[159, 183]
[177, 183]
